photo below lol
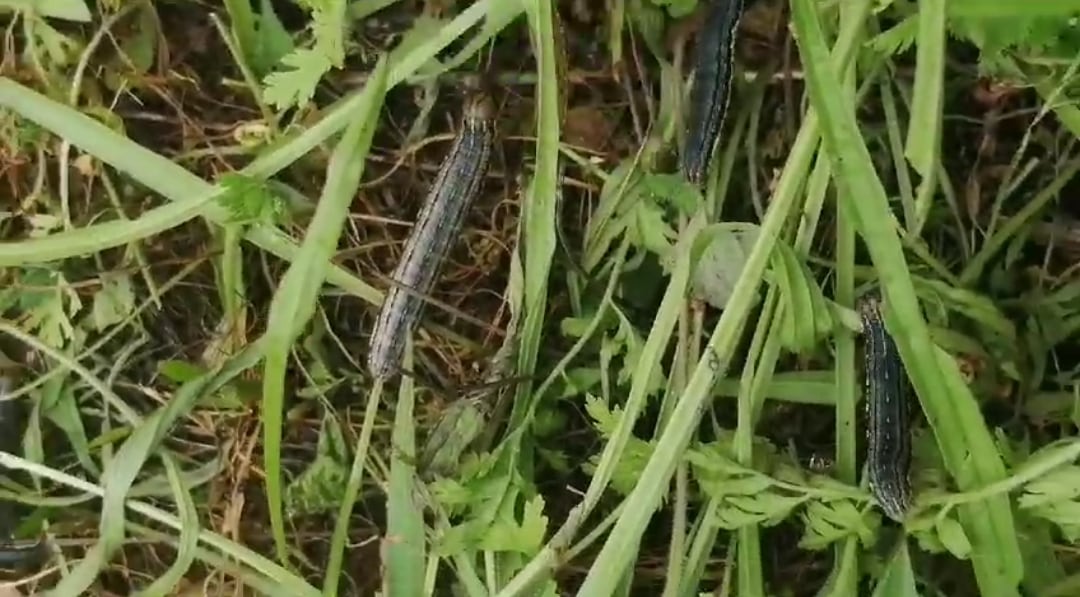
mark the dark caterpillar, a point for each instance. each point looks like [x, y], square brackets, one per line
[436, 229]
[888, 431]
[711, 86]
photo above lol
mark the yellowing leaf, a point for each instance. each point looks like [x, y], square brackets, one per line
[722, 262]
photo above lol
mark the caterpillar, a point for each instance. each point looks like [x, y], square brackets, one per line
[458, 182]
[888, 431]
[710, 86]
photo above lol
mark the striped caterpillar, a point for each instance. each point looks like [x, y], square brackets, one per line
[457, 184]
[888, 431]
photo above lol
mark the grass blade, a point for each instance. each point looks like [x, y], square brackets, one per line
[163, 177]
[403, 547]
[85, 241]
[298, 291]
[844, 575]
[189, 536]
[539, 215]
[965, 443]
[352, 489]
[975, 267]
[923, 144]
[899, 579]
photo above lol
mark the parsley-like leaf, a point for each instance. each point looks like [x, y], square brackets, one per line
[525, 537]
[296, 86]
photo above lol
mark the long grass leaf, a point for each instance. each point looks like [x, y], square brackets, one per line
[923, 146]
[844, 574]
[540, 210]
[403, 549]
[898, 579]
[352, 490]
[83, 242]
[189, 536]
[294, 302]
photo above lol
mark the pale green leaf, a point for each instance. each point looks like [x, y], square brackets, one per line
[404, 546]
[69, 10]
[296, 85]
[114, 302]
[898, 579]
[272, 41]
[525, 537]
[1060, 484]
[722, 260]
[953, 537]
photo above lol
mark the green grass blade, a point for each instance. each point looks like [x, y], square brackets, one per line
[295, 300]
[403, 550]
[965, 443]
[85, 241]
[1050, 90]
[651, 357]
[539, 239]
[844, 577]
[538, 233]
[189, 536]
[898, 579]
[242, 25]
[923, 146]
[761, 362]
[225, 567]
[540, 566]
[798, 387]
[352, 490]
